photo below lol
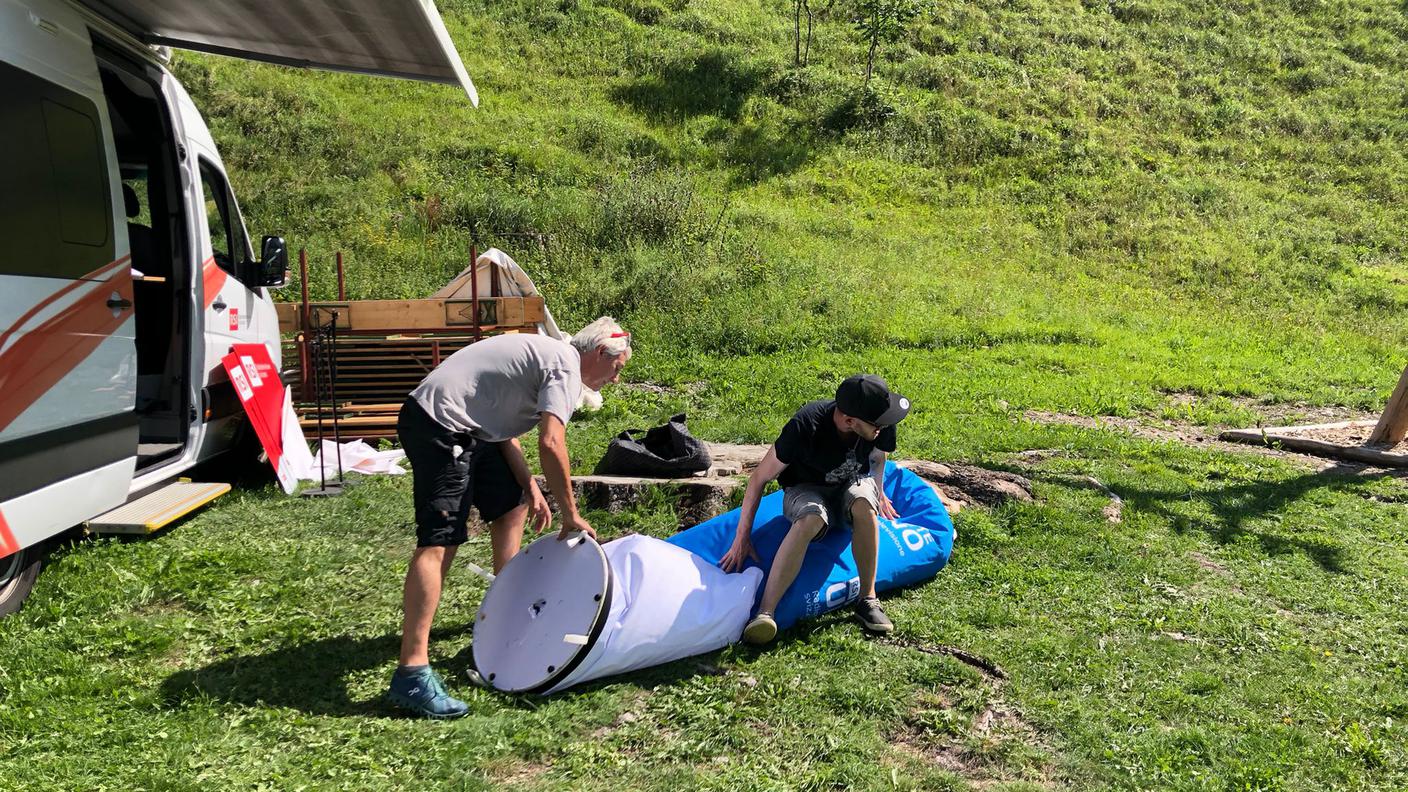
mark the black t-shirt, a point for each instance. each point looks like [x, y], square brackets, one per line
[816, 453]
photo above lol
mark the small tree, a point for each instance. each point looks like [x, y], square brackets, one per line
[800, 55]
[883, 22]
[802, 51]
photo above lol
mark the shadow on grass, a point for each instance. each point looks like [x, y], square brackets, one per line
[716, 82]
[1236, 506]
[309, 677]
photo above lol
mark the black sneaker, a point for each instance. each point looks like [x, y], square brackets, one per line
[872, 616]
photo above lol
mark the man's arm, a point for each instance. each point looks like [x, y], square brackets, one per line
[767, 470]
[877, 472]
[552, 454]
[513, 455]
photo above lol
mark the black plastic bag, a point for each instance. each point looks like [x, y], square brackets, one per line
[667, 451]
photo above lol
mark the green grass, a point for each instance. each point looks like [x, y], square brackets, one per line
[1152, 210]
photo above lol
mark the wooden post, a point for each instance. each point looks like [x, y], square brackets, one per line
[341, 284]
[1393, 424]
[474, 289]
[302, 333]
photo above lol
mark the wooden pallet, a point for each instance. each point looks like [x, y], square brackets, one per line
[431, 315]
[354, 421]
[384, 348]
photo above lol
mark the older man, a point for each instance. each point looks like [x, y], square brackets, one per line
[460, 429]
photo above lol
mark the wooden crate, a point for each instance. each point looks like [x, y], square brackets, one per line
[384, 349]
[432, 315]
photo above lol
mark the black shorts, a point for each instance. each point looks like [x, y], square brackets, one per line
[446, 485]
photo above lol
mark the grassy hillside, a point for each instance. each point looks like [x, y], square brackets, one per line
[1215, 191]
[1160, 210]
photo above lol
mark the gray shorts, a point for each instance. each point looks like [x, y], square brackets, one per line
[832, 503]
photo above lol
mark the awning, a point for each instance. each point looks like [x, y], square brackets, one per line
[392, 38]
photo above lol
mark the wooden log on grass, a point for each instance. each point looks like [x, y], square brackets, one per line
[1393, 424]
[1368, 456]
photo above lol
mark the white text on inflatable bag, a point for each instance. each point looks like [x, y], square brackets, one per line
[905, 535]
[833, 596]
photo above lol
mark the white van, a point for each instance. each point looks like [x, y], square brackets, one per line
[127, 272]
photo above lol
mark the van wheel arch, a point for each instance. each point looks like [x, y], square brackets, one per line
[18, 572]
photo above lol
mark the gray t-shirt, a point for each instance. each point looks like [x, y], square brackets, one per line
[495, 389]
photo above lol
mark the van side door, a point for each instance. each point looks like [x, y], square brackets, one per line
[68, 432]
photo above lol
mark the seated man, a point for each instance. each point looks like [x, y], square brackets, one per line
[830, 461]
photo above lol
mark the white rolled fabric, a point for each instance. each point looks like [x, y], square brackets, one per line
[666, 603]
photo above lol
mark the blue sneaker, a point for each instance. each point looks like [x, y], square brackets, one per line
[424, 694]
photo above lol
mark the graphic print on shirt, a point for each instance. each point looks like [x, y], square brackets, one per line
[848, 472]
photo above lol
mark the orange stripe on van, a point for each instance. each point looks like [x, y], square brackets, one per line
[43, 356]
[212, 280]
[8, 543]
[32, 312]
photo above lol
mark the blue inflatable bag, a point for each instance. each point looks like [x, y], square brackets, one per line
[912, 549]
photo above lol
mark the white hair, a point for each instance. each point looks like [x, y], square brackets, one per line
[600, 334]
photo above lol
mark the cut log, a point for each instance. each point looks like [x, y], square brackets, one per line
[1362, 454]
[1393, 424]
[970, 484]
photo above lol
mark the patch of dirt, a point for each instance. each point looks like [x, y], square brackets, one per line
[979, 752]
[1180, 433]
[1186, 434]
[1209, 564]
[635, 707]
[1279, 413]
[509, 775]
[1357, 433]
[687, 388]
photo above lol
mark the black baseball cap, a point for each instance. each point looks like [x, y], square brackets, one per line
[867, 397]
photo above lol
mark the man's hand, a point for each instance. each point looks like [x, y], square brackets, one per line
[538, 507]
[737, 556]
[574, 522]
[887, 509]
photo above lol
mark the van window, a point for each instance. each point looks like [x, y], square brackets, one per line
[226, 232]
[56, 204]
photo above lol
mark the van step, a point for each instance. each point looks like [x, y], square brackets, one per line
[156, 510]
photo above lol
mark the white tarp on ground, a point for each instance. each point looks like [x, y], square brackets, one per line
[666, 603]
[356, 457]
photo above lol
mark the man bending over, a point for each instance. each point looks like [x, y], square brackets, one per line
[460, 429]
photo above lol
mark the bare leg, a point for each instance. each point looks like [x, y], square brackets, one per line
[865, 544]
[507, 534]
[420, 599]
[788, 560]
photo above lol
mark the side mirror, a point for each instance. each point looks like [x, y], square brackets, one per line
[273, 261]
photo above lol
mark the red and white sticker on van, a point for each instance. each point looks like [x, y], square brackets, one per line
[8, 543]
